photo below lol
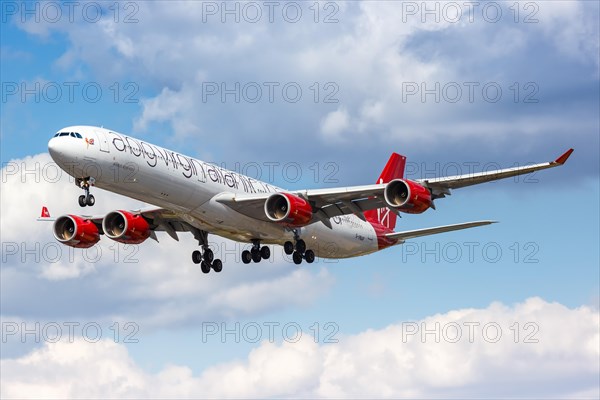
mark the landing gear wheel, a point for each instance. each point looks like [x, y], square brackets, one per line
[205, 256]
[246, 257]
[309, 256]
[288, 248]
[84, 183]
[205, 267]
[265, 252]
[208, 256]
[300, 246]
[256, 255]
[217, 265]
[297, 258]
[196, 257]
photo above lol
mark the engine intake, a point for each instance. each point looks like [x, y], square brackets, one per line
[125, 227]
[288, 209]
[74, 231]
[407, 196]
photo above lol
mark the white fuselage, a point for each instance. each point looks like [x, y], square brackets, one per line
[187, 186]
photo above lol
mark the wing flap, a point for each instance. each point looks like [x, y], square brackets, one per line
[160, 219]
[323, 197]
[329, 202]
[249, 205]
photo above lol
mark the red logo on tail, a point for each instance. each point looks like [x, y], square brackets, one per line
[394, 169]
[45, 212]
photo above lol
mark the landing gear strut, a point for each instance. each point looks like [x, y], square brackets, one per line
[256, 253]
[206, 258]
[298, 251]
[87, 199]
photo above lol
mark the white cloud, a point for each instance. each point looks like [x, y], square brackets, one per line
[335, 123]
[572, 26]
[562, 361]
[155, 284]
[166, 106]
[104, 369]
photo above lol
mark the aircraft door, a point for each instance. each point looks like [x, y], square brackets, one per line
[102, 141]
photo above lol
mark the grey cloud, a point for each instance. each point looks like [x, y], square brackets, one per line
[370, 54]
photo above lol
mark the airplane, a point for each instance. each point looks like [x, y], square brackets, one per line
[189, 195]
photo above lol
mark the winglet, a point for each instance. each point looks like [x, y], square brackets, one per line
[562, 159]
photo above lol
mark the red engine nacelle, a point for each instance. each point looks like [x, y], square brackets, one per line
[75, 231]
[288, 209]
[407, 196]
[125, 227]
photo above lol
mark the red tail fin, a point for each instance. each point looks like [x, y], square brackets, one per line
[45, 213]
[394, 169]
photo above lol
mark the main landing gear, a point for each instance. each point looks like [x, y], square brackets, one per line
[256, 253]
[206, 258]
[299, 251]
[87, 199]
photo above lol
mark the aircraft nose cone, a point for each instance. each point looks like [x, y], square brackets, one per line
[53, 148]
[57, 150]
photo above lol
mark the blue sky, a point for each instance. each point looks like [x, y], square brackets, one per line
[154, 63]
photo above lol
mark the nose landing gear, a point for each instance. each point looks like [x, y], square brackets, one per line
[87, 199]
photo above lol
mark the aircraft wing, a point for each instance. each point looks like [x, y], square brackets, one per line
[402, 236]
[440, 186]
[160, 219]
[328, 203]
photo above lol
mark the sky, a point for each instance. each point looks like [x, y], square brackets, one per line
[309, 95]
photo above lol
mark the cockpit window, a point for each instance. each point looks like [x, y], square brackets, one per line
[72, 134]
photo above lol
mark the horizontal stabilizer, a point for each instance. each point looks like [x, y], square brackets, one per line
[402, 236]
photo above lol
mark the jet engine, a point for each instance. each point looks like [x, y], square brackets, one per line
[407, 196]
[125, 227]
[75, 231]
[288, 209]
